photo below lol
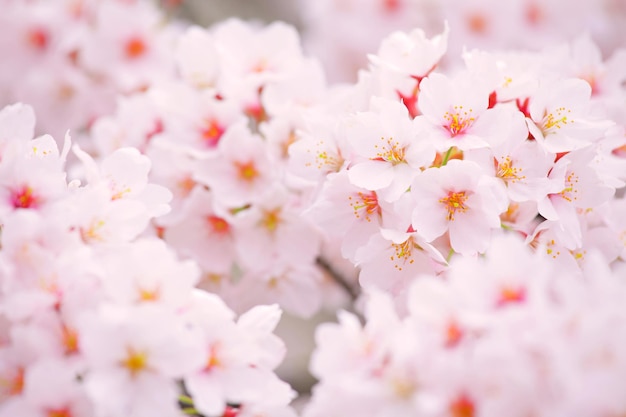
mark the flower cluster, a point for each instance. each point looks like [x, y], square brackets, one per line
[218, 136]
[479, 208]
[434, 165]
[506, 334]
[100, 318]
[71, 58]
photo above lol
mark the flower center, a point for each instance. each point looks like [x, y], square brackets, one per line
[477, 23]
[365, 205]
[212, 360]
[135, 47]
[508, 172]
[186, 184]
[454, 334]
[391, 151]
[454, 202]
[149, 294]
[247, 171]
[218, 225]
[212, 132]
[570, 192]
[135, 361]
[38, 38]
[462, 406]
[94, 232]
[555, 120]
[403, 253]
[271, 219]
[458, 120]
[24, 198]
[59, 412]
[391, 6]
[70, 340]
[511, 295]
[13, 383]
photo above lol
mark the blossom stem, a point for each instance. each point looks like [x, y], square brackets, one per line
[446, 157]
[185, 399]
[450, 255]
[190, 411]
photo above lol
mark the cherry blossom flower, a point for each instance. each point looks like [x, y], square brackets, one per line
[233, 370]
[240, 171]
[273, 231]
[206, 233]
[131, 360]
[461, 199]
[388, 153]
[51, 389]
[319, 150]
[403, 60]
[344, 210]
[581, 189]
[148, 272]
[561, 121]
[455, 112]
[478, 205]
[126, 45]
[442, 357]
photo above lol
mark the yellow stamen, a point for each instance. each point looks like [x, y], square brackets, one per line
[454, 202]
[135, 361]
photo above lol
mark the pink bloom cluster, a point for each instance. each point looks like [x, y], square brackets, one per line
[509, 333]
[481, 206]
[71, 58]
[434, 165]
[97, 317]
[481, 209]
[218, 137]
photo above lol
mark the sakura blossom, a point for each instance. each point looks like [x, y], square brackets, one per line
[84, 283]
[442, 358]
[185, 207]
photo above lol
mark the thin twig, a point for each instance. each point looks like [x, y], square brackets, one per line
[338, 278]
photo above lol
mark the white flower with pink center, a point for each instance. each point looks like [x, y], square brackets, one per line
[391, 260]
[272, 231]
[458, 198]
[388, 149]
[576, 187]
[350, 213]
[521, 164]
[194, 121]
[455, 112]
[134, 123]
[147, 271]
[132, 360]
[127, 46]
[560, 116]
[205, 233]
[32, 173]
[319, 150]
[240, 171]
[403, 60]
[51, 389]
[238, 357]
[255, 55]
